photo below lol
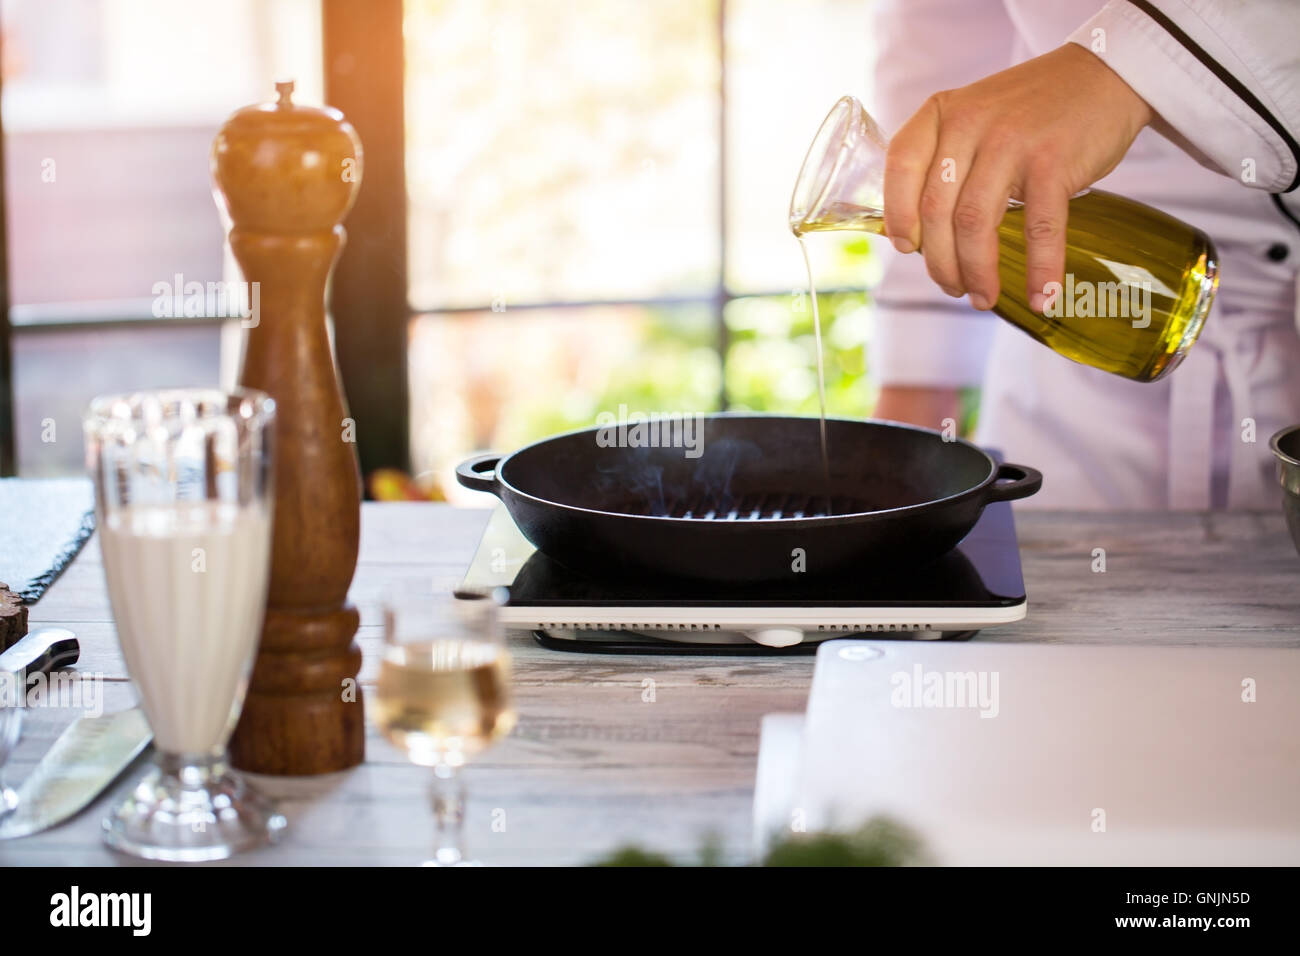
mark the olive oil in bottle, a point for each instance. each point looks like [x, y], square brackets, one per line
[1138, 283]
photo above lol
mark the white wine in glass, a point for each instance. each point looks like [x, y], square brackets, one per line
[444, 696]
[445, 699]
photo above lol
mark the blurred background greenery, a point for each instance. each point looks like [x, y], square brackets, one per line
[772, 351]
[771, 361]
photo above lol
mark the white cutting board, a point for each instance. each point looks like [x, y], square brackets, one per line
[1095, 755]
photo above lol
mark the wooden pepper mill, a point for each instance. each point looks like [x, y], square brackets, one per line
[286, 176]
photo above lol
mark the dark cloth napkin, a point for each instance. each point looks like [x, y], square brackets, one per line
[43, 524]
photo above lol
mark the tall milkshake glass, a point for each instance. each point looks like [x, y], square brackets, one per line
[183, 501]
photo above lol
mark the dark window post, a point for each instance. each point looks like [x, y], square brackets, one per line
[364, 77]
[8, 465]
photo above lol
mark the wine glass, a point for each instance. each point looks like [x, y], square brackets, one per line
[444, 695]
[183, 503]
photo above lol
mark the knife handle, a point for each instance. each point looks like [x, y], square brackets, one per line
[42, 651]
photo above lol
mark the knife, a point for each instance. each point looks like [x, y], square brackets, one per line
[42, 651]
[37, 653]
[88, 756]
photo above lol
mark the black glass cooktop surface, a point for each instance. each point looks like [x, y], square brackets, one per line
[983, 571]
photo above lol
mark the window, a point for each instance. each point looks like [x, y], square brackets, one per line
[597, 206]
[594, 215]
[109, 112]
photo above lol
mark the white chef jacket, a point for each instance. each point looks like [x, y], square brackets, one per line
[1224, 78]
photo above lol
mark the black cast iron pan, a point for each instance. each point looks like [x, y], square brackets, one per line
[745, 498]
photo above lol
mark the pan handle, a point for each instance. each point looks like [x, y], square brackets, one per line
[1012, 482]
[479, 472]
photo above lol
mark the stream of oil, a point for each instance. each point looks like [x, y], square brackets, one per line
[821, 373]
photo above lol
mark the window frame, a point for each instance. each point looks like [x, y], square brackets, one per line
[8, 465]
[364, 66]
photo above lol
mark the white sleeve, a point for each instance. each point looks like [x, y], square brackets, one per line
[921, 336]
[1222, 75]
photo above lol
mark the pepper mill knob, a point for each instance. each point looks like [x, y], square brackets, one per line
[285, 175]
[280, 167]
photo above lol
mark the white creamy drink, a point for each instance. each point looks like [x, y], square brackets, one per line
[188, 586]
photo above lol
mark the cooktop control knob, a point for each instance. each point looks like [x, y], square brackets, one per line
[776, 636]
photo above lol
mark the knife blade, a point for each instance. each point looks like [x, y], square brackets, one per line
[36, 653]
[41, 651]
[86, 758]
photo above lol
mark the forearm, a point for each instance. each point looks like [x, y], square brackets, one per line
[922, 340]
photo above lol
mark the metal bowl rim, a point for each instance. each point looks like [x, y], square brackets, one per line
[1275, 444]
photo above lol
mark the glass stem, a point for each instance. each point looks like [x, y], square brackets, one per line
[449, 815]
[8, 798]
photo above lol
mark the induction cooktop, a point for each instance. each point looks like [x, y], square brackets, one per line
[976, 585]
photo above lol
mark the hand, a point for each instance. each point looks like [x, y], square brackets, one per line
[923, 405]
[1038, 132]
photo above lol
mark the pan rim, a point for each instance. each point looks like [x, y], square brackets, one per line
[839, 519]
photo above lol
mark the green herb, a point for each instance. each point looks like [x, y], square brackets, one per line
[879, 842]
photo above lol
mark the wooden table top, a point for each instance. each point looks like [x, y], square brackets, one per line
[592, 765]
